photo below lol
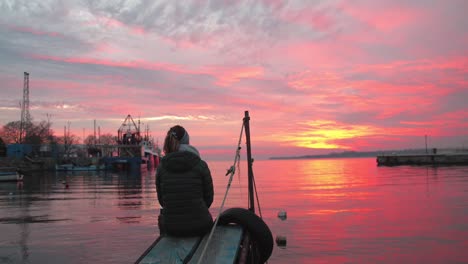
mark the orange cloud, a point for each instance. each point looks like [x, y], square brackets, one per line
[323, 134]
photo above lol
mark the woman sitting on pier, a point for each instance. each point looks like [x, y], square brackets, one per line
[184, 187]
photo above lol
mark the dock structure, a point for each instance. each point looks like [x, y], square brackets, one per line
[131, 157]
[433, 158]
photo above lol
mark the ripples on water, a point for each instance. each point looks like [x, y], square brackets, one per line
[340, 210]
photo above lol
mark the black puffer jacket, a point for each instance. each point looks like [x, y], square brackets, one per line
[185, 191]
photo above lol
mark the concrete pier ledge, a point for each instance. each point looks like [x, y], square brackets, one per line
[423, 159]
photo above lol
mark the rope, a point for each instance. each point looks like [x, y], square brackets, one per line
[230, 172]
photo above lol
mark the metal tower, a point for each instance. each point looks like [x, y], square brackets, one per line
[25, 116]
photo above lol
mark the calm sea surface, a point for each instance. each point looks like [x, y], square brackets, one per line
[338, 211]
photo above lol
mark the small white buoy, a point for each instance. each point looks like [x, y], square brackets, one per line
[282, 215]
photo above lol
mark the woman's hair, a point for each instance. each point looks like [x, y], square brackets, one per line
[173, 137]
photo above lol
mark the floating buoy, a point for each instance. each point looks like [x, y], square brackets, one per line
[64, 182]
[281, 241]
[282, 215]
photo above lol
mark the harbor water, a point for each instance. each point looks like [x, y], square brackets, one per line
[337, 211]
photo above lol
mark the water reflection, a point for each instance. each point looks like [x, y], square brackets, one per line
[350, 210]
[337, 186]
[129, 191]
[338, 211]
[12, 195]
[322, 174]
[24, 241]
[65, 208]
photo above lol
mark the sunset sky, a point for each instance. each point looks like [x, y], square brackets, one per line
[316, 76]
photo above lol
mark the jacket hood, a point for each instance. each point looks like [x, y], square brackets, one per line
[190, 148]
[180, 161]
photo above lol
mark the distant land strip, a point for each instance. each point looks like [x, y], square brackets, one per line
[345, 154]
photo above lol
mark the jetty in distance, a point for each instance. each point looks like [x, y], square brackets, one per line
[452, 156]
[435, 157]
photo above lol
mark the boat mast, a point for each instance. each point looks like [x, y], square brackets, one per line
[249, 162]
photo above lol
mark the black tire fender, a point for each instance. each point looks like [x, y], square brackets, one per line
[257, 228]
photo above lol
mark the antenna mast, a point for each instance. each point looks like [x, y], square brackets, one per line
[249, 162]
[25, 116]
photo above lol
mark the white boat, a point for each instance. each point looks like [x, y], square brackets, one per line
[10, 174]
[71, 167]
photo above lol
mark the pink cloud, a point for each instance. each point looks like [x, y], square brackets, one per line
[33, 31]
[137, 64]
[113, 24]
[316, 18]
[225, 75]
[437, 63]
[383, 17]
[108, 48]
[228, 76]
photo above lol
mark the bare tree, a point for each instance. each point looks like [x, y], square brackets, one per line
[68, 142]
[11, 132]
[89, 140]
[35, 133]
[104, 139]
[107, 139]
[38, 133]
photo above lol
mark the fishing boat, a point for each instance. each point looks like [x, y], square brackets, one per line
[72, 167]
[10, 174]
[238, 235]
[135, 150]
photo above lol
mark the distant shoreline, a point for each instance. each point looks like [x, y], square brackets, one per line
[346, 154]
